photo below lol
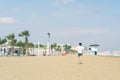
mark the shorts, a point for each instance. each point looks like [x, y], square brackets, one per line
[80, 54]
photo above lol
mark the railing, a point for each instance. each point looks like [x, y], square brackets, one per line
[108, 53]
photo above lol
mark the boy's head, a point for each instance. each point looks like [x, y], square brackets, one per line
[80, 44]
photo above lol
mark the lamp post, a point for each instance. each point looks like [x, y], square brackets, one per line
[48, 44]
[38, 48]
[0, 45]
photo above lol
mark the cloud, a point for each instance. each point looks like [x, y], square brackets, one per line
[7, 20]
[60, 3]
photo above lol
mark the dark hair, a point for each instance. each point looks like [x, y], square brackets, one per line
[80, 44]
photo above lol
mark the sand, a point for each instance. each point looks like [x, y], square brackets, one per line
[59, 68]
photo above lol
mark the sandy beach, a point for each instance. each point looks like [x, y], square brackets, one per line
[59, 68]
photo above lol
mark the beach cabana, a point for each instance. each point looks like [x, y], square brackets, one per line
[94, 48]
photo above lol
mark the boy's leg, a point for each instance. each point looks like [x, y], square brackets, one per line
[79, 58]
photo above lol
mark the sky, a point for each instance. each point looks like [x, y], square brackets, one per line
[68, 21]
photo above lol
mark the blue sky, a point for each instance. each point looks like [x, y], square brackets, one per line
[68, 21]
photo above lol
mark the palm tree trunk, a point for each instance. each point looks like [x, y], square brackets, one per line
[12, 50]
[26, 49]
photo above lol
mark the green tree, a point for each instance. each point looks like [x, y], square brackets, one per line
[26, 35]
[31, 45]
[20, 44]
[12, 41]
[57, 48]
[2, 41]
[43, 46]
[67, 48]
[53, 46]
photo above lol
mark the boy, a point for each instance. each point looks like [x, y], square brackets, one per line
[80, 49]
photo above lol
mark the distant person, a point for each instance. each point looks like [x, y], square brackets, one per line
[94, 50]
[80, 49]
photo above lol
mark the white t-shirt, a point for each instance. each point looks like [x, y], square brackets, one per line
[79, 49]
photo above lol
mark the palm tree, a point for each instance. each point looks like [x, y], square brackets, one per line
[67, 48]
[12, 41]
[21, 47]
[26, 35]
[53, 48]
[56, 48]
